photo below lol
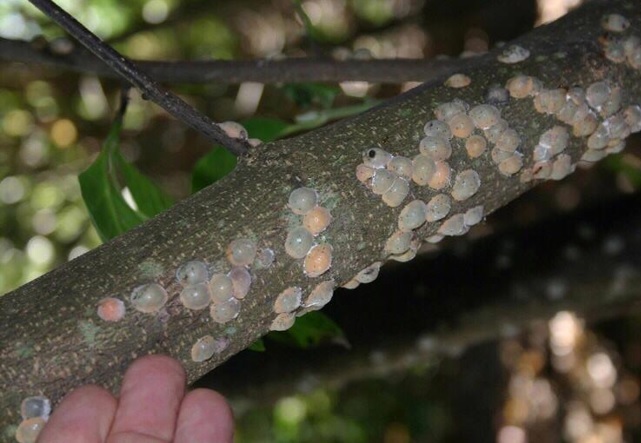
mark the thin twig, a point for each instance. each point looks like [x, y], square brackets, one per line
[124, 102]
[148, 87]
[310, 29]
[238, 71]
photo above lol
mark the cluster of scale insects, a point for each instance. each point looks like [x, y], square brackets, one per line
[223, 290]
[594, 114]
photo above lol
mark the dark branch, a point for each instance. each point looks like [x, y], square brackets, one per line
[148, 87]
[238, 71]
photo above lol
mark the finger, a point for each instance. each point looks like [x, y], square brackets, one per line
[205, 416]
[150, 396]
[84, 415]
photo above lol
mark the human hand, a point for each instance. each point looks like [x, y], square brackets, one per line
[152, 408]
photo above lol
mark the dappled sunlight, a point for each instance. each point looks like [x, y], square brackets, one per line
[584, 390]
[248, 98]
[155, 11]
[264, 32]
[63, 133]
[551, 10]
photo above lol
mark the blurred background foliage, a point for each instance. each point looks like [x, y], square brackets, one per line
[53, 123]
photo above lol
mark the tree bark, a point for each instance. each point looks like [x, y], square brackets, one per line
[52, 340]
[586, 262]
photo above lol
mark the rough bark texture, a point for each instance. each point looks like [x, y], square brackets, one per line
[587, 263]
[52, 339]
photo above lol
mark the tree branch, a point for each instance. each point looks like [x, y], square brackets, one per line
[147, 86]
[291, 70]
[54, 340]
[432, 314]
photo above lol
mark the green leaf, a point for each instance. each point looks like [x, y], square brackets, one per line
[149, 198]
[109, 212]
[314, 119]
[213, 166]
[266, 129]
[619, 164]
[306, 94]
[101, 190]
[310, 29]
[257, 346]
[310, 330]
